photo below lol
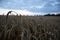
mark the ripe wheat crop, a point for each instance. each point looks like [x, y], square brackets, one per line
[29, 27]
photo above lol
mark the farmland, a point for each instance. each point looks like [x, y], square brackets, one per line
[29, 27]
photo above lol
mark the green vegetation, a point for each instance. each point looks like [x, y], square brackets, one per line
[29, 27]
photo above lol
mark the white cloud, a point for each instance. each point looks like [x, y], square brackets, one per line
[22, 12]
[8, 3]
[55, 3]
[40, 6]
[37, 7]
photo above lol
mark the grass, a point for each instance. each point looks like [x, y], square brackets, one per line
[29, 27]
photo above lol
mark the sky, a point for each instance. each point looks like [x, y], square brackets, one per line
[30, 7]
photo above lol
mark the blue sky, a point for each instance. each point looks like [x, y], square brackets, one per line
[35, 6]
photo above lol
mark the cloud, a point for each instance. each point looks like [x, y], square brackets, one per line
[39, 6]
[22, 12]
[55, 3]
[58, 0]
[32, 5]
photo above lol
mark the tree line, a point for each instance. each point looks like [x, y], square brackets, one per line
[58, 14]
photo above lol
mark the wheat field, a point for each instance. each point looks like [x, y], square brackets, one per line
[29, 27]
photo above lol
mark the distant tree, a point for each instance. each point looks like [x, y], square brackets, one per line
[47, 15]
[52, 15]
[57, 14]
